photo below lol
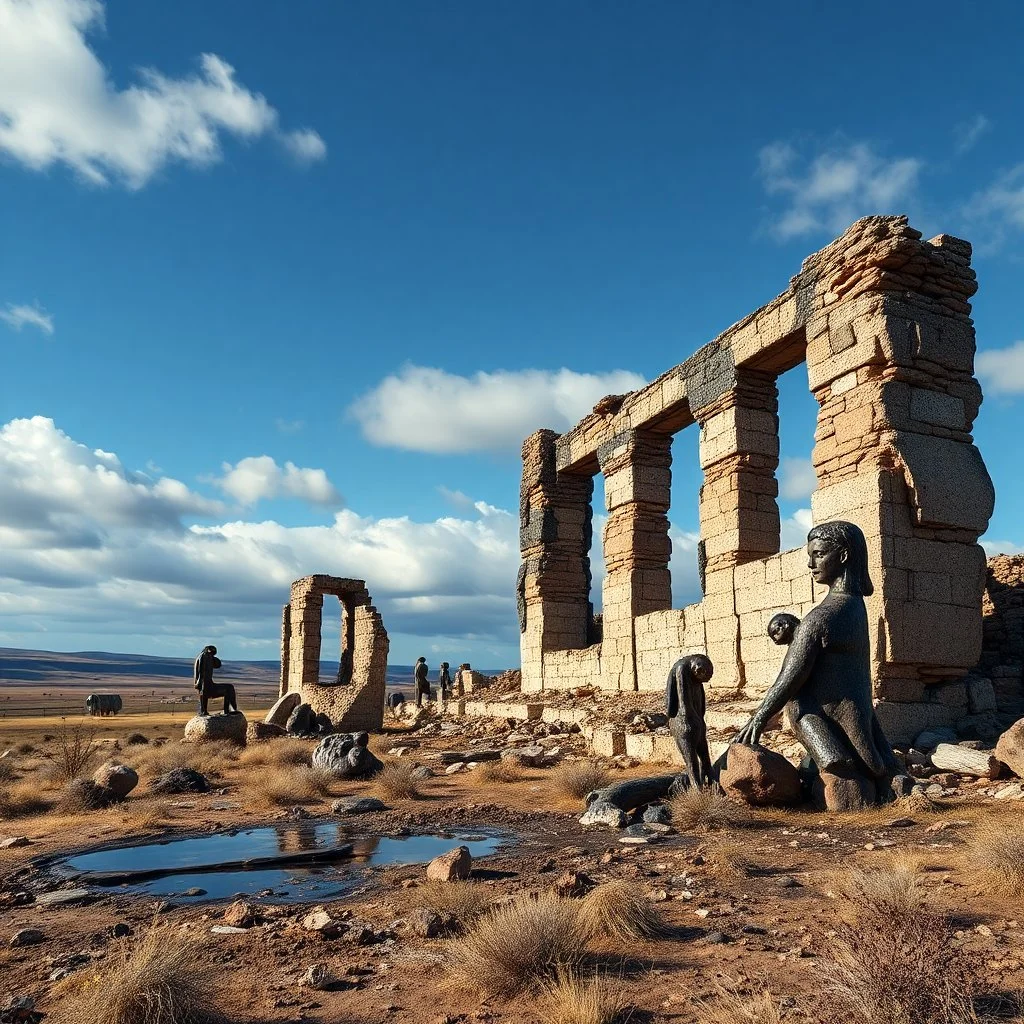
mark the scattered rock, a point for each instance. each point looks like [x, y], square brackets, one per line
[843, 793]
[320, 977]
[302, 722]
[318, 920]
[263, 732]
[716, 938]
[532, 756]
[180, 780]
[118, 778]
[573, 884]
[1010, 748]
[425, 923]
[346, 756]
[230, 727]
[357, 805]
[27, 937]
[454, 769]
[119, 930]
[931, 738]
[422, 772]
[86, 795]
[760, 776]
[451, 866]
[19, 1010]
[600, 812]
[61, 897]
[14, 841]
[227, 929]
[241, 915]
[283, 707]
[657, 814]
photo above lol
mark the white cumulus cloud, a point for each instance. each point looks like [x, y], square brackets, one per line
[429, 410]
[1002, 369]
[59, 105]
[34, 316]
[967, 133]
[1001, 204]
[827, 191]
[259, 477]
[797, 479]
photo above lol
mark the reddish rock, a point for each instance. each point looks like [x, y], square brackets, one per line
[240, 915]
[451, 866]
[572, 884]
[760, 776]
[118, 778]
[1010, 748]
[260, 732]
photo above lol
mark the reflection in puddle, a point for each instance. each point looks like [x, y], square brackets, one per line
[293, 883]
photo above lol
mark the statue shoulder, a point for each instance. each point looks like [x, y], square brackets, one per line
[814, 625]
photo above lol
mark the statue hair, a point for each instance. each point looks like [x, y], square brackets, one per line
[840, 534]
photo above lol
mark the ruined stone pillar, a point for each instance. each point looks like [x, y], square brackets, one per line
[286, 643]
[893, 372]
[637, 468]
[307, 605]
[555, 522]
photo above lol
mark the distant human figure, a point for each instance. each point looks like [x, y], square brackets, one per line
[444, 681]
[419, 678]
[344, 676]
[204, 666]
[781, 628]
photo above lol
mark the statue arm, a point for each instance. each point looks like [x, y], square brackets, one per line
[796, 668]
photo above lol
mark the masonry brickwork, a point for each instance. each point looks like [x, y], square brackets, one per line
[882, 320]
[352, 705]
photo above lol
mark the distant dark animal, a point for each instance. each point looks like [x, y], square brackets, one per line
[103, 703]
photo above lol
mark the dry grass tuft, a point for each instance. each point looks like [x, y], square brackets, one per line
[206, 758]
[731, 1006]
[731, 859]
[144, 813]
[457, 902]
[161, 980]
[8, 773]
[576, 779]
[135, 739]
[285, 785]
[890, 890]
[20, 799]
[396, 781]
[504, 770]
[519, 946]
[997, 851]
[25, 748]
[619, 911]
[280, 751]
[572, 999]
[705, 809]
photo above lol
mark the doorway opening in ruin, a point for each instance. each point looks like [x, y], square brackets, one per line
[337, 634]
[684, 517]
[599, 516]
[798, 419]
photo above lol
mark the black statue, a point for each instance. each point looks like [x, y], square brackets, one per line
[204, 666]
[419, 678]
[344, 676]
[685, 705]
[825, 680]
[444, 681]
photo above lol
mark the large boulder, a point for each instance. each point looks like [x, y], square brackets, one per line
[346, 756]
[207, 728]
[118, 778]
[760, 776]
[1010, 748]
[303, 721]
[261, 732]
[282, 709]
[180, 780]
[452, 866]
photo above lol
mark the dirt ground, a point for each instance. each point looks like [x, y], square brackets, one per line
[751, 906]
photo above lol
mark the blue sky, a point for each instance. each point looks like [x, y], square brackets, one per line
[378, 243]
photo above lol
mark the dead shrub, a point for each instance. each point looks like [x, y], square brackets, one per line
[77, 749]
[284, 785]
[135, 739]
[731, 859]
[280, 751]
[619, 911]
[81, 795]
[457, 903]
[705, 809]
[206, 758]
[503, 770]
[8, 773]
[161, 980]
[396, 781]
[576, 779]
[20, 799]
[519, 946]
[996, 849]
[144, 813]
[572, 999]
[24, 749]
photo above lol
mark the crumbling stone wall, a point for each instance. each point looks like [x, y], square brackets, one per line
[882, 320]
[1002, 645]
[357, 701]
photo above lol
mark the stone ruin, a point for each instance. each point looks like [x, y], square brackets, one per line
[354, 700]
[881, 318]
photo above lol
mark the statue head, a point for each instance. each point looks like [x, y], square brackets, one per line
[701, 668]
[781, 628]
[418, 660]
[210, 649]
[444, 664]
[837, 550]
